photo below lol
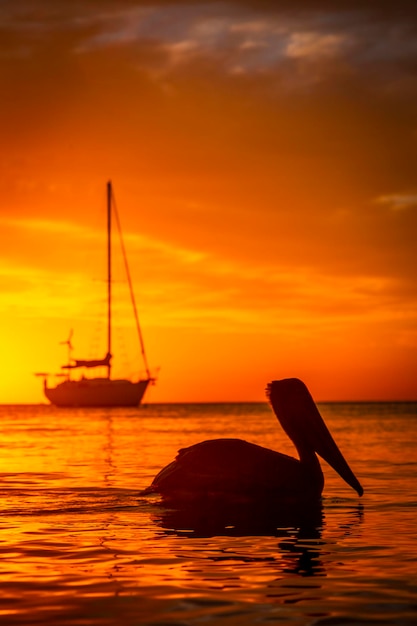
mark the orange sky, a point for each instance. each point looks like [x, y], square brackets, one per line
[263, 156]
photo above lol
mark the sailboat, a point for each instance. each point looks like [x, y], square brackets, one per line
[101, 391]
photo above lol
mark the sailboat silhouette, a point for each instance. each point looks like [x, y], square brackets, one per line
[101, 391]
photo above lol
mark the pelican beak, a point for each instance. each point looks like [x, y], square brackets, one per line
[327, 448]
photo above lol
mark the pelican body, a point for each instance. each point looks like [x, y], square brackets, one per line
[238, 471]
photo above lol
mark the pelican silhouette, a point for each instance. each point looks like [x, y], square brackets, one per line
[238, 471]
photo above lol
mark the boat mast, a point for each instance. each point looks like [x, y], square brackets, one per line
[109, 200]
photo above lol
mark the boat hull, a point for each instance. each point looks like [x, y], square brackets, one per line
[97, 392]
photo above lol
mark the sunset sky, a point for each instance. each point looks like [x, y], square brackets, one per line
[263, 157]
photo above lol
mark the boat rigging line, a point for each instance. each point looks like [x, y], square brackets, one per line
[129, 281]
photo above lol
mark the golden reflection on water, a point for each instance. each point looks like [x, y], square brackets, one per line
[77, 543]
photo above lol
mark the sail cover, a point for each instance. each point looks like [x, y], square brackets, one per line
[89, 363]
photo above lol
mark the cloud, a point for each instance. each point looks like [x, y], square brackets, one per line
[294, 46]
[242, 39]
[398, 202]
[188, 287]
[315, 45]
[46, 226]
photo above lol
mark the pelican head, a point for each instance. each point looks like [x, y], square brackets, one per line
[301, 420]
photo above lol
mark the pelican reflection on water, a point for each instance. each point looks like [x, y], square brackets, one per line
[236, 472]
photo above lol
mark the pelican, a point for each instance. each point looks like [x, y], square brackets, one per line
[237, 471]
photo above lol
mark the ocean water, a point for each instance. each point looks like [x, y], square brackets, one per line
[78, 546]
